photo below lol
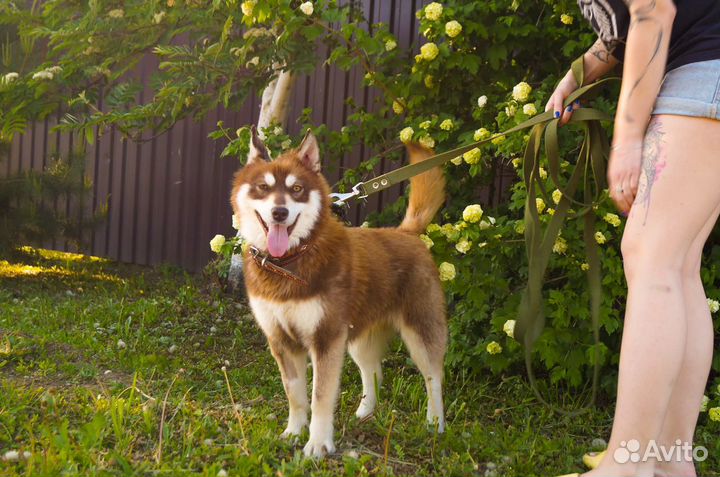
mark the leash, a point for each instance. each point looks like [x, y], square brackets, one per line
[589, 172]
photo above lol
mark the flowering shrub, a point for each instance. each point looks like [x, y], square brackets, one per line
[478, 68]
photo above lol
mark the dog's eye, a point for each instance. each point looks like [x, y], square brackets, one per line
[263, 187]
[297, 188]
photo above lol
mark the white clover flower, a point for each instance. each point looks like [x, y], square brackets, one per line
[216, 243]
[482, 101]
[447, 271]
[447, 125]
[390, 45]
[427, 142]
[427, 241]
[472, 213]
[121, 344]
[10, 77]
[540, 205]
[463, 246]
[453, 28]
[247, 7]
[530, 109]
[612, 219]
[433, 11]
[11, 456]
[493, 348]
[521, 92]
[397, 107]
[222, 473]
[704, 403]
[429, 51]
[117, 13]
[714, 305]
[307, 8]
[560, 246]
[43, 75]
[566, 19]
[556, 196]
[472, 156]
[600, 238]
[481, 134]
[509, 328]
[510, 110]
[158, 17]
[425, 125]
[406, 134]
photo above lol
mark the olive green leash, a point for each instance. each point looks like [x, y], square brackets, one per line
[589, 172]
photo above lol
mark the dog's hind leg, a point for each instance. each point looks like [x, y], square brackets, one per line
[367, 350]
[292, 361]
[427, 350]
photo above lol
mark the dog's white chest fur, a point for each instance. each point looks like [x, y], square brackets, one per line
[298, 318]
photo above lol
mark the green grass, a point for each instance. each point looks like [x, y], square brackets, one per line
[81, 403]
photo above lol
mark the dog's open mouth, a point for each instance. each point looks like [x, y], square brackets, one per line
[278, 236]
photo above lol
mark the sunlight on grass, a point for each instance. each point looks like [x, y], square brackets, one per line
[16, 270]
[62, 256]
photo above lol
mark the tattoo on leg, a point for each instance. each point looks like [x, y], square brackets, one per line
[653, 163]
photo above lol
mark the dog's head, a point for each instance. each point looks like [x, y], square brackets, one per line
[278, 203]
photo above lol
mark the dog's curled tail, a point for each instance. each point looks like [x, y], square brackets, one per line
[427, 193]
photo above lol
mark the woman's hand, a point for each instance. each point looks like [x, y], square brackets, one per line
[564, 89]
[624, 173]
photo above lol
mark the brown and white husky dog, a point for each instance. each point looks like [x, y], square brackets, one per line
[317, 287]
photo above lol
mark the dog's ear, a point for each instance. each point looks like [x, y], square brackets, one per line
[308, 152]
[258, 150]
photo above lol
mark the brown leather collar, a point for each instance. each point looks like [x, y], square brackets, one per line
[276, 265]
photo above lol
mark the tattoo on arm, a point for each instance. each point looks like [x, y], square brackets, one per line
[599, 51]
[653, 163]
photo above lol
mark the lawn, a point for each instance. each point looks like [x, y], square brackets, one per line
[108, 369]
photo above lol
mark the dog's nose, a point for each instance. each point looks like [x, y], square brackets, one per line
[280, 213]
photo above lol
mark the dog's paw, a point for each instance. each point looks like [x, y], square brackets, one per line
[319, 447]
[295, 426]
[364, 411]
[436, 423]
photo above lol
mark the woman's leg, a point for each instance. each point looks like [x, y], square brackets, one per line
[678, 193]
[686, 398]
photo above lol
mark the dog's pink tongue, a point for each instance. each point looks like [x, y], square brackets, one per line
[277, 240]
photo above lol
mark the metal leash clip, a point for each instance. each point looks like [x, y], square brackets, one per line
[341, 198]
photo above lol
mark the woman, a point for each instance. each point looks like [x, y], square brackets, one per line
[663, 175]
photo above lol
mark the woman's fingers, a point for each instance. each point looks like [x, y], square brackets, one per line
[567, 112]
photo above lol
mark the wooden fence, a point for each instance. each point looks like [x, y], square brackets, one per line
[167, 197]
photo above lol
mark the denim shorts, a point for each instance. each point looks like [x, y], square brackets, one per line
[691, 90]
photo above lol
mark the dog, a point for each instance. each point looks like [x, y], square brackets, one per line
[317, 287]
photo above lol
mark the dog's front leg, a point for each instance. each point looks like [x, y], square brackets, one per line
[292, 361]
[327, 359]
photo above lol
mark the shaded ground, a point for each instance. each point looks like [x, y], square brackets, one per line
[96, 357]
